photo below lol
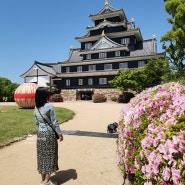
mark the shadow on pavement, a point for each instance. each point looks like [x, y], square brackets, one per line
[90, 134]
[63, 176]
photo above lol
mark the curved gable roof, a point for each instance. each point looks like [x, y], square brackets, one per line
[107, 8]
[105, 42]
[105, 23]
[43, 67]
[74, 55]
[109, 11]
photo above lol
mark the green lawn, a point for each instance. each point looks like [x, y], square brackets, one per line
[17, 123]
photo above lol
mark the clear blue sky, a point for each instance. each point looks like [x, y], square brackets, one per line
[44, 30]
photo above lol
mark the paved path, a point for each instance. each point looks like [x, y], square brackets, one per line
[83, 159]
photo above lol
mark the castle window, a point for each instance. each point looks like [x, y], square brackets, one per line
[123, 65]
[67, 69]
[108, 67]
[88, 56]
[125, 41]
[102, 55]
[79, 68]
[141, 63]
[67, 82]
[90, 81]
[92, 67]
[88, 45]
[117, 53]
[80, 81]
[102, 81]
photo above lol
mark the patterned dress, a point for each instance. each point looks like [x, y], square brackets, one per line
[47, 152]
[47, 144]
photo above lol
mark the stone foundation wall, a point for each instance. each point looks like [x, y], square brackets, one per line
[109, 93]
[71, 94]
[68, 94]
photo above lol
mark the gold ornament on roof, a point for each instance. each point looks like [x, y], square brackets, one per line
[106, 2]
[103, 33]
[154, 36]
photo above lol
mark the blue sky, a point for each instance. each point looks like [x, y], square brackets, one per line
[44, 30]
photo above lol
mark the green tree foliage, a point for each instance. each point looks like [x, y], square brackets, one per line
[7, 89]
[174, 39]
[157, 71]
[52, 88]
[129, 79]
[153, 73]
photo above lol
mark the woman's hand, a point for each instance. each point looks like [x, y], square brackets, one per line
[61, 138]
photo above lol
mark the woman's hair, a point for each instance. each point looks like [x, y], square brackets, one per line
[41, 96]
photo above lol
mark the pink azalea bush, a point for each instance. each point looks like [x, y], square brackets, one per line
[151, 142]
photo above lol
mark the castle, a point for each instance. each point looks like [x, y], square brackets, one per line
[112, 44]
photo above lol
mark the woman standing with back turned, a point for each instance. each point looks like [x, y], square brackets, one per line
[47, 145]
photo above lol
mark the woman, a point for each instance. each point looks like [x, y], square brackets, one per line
[47, 145]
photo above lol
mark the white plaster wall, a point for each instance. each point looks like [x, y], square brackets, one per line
[43, 78]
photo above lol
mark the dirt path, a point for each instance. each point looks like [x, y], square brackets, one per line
[83, 160]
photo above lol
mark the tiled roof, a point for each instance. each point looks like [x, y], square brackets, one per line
[57, 68]
[145, 51]
[74, 55]
[107, 8]
[105, 40]
[46, 67]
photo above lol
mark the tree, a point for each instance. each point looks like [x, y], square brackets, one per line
[52, 88]
[129, 79]
[174, 39]
[153, 73]
[7, 89]
[157, 71]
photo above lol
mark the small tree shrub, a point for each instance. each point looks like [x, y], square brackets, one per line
[99, 98]
[151, 142]
[56, 98]
[113, 98]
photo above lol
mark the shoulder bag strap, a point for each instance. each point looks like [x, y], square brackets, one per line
[45, 120]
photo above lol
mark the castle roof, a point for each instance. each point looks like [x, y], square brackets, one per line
[147, 50]
[49, 68]
[109, 12]
[106, 23]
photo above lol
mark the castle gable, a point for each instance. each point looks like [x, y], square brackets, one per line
[107, 9]
[105, 42]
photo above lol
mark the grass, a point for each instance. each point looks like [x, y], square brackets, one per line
[17, 123]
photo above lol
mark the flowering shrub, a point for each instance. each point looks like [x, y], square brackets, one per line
[99, 98]
[151, 143]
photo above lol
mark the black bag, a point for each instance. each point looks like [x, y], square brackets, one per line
[111, 128]
[56, 135]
